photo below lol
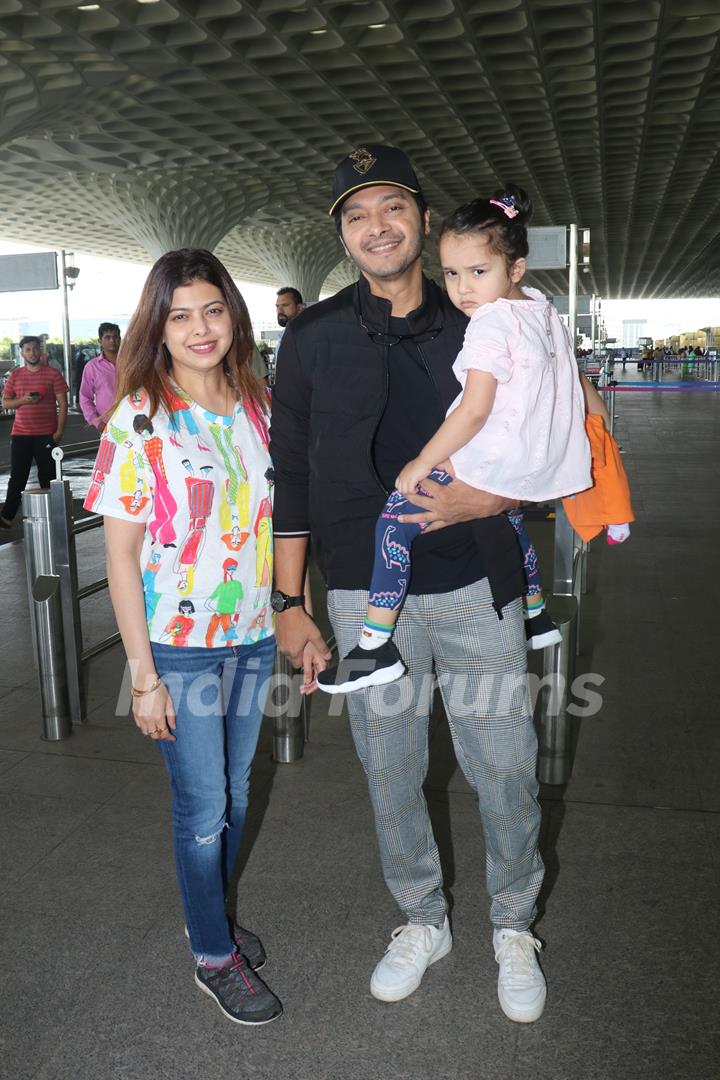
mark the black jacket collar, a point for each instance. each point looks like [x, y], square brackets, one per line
[375, 310]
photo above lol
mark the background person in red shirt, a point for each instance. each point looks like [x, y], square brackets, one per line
[38, 394]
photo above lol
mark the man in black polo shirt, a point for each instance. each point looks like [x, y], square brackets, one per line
[365, 379]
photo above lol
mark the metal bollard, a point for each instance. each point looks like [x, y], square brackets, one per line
[65, 564]
[46, 616]
[558, 670]
[290, 731]
[579, 587]
[584, 548]
[47, 626]
[559, 660]
[563, 553]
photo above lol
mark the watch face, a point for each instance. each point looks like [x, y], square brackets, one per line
[277, 601]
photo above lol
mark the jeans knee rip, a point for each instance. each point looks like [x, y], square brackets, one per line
[213, 838]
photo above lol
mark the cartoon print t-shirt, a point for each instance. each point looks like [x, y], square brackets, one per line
[201, 485]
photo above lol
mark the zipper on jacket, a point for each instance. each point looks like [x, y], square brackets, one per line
[431, 377]
[382, 410]
[371, 463]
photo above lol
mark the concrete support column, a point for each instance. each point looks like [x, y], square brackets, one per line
[301, 255]
[164, 211]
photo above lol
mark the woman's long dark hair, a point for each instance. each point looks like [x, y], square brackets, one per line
[144, 361]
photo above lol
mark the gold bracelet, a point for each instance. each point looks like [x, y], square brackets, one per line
[141, 693]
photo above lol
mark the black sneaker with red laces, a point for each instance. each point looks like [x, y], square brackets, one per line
[250, 946]
[240, 994]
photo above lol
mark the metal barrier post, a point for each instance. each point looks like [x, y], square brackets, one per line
[291, 725]
[584, 548]
[559, 660]
[558, 670]
[564, 552]
[46, 615]
[63, 542]
[579, 585]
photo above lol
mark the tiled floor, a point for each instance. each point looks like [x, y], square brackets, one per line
[97, 978]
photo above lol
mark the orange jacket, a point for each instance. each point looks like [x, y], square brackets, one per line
[607, 502]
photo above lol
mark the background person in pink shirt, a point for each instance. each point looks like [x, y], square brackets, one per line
[97, 389]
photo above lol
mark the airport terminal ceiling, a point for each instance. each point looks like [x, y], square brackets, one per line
[130, 127]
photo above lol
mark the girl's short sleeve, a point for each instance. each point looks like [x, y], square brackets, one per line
[122, 479]
[488, 342]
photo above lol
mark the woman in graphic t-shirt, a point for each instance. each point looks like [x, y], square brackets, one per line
[201, 658]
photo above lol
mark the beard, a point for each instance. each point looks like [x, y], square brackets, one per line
[283, 320]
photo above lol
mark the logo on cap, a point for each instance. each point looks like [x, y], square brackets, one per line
[362, 160]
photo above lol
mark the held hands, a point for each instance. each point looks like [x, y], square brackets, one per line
[413, 474]
[449, 504]
[153, 711]
[299, 639]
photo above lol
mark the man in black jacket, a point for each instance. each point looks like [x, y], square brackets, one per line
[364, 381]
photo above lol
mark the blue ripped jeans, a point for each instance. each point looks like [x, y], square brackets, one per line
[219, 696]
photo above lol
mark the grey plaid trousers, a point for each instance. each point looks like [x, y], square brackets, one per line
[481, 666]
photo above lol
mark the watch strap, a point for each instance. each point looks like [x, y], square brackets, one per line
[294, 601]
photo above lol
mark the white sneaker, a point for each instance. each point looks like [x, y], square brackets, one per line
[521, 983]
[411, 950]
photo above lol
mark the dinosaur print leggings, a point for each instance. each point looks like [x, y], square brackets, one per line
[393, 540]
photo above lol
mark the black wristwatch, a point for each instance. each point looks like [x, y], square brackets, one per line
[279, 601]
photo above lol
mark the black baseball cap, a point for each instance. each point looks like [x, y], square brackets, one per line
[369, 165]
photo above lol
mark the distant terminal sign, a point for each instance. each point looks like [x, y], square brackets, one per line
[26, 273]
[562, 305]
[548, 247]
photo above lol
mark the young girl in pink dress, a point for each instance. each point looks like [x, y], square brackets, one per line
[517, 429]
